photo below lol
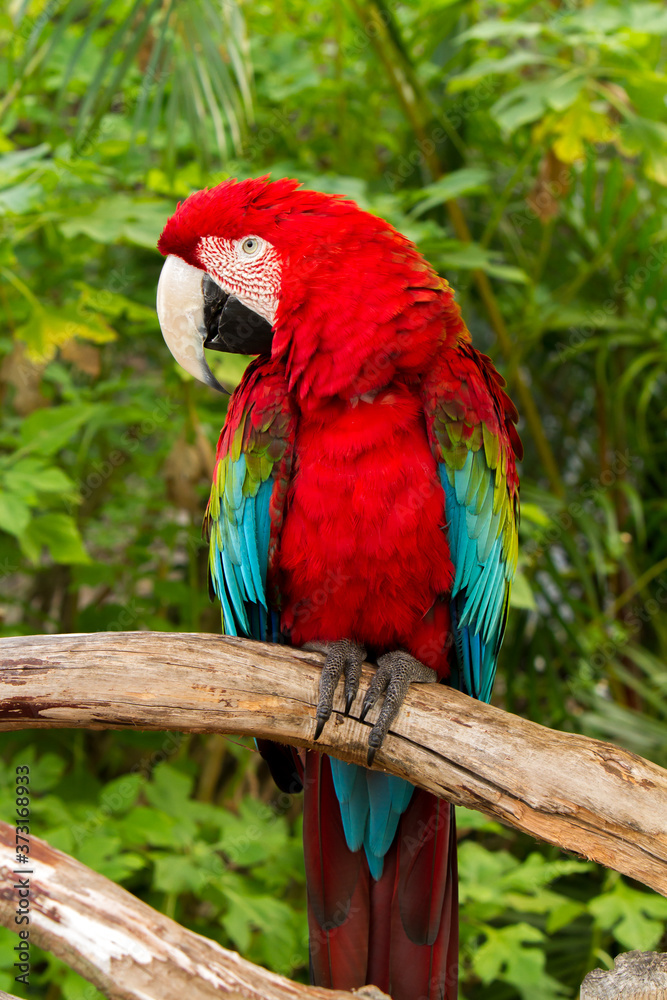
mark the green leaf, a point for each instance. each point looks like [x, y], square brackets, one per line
[14, 513]
[508, 955]
[247, 913]
[29, 477]
[149, 827]
[490, 67]
[169, 790]
[120, 795]
[50, 328]
[636, 919]
[563, 913]
[178, 873]
[13, 164]
[521, 105]
[46, 772]
[451, 186]
[120, 217]
[103, 854]
[60, 535]
[48, 430]
[493, 27]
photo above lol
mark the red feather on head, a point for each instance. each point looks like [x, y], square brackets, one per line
[358, 302]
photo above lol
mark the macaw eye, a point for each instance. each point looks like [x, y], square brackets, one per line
[251, 246]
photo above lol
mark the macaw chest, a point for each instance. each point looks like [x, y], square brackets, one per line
[363, 551]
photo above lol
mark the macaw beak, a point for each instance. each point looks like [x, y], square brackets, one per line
[195, 312]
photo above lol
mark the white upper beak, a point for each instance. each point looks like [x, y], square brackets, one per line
[180, 310]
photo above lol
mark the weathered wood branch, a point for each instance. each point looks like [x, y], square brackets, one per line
[637, 975]
[585, 796]
[126, 948]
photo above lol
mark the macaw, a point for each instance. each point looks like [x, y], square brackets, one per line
[364, 504]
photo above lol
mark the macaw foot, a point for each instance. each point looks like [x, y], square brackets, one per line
[395, 673]
[342, 657]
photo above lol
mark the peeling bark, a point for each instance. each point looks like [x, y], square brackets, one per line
[127, 949]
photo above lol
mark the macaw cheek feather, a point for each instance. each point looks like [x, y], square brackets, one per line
[180, 310]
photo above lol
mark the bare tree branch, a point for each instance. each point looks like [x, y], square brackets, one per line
[637, 975]
[583, 795]
[126, 948]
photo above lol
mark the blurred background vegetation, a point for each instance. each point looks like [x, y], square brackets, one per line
[523, 146]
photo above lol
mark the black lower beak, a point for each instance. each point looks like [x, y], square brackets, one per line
[231, 326]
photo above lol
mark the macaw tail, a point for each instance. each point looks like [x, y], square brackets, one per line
[399, 932]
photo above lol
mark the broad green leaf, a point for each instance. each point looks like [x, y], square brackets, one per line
[451, 186]
[29, 477]
[120, 217]
[247, 913]
[14, 512]
[48, 430]
[636, 919]
[493, 27]
[169, 790]
[59, 534]
[522, 105]
[14, 163]
[149, 828]
[482, 68]
[103, 853]
[19, 199]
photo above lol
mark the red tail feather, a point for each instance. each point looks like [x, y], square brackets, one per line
[400, 933]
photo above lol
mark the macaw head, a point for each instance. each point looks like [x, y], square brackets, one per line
[266, 267]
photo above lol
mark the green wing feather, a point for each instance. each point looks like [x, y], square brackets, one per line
[470, 421]
[245, 509]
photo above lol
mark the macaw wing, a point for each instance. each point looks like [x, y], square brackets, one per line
[245, 509]
[470, 423]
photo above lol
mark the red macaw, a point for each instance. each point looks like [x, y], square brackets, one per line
[364, 503]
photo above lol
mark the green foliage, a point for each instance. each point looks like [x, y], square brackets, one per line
[546, 122]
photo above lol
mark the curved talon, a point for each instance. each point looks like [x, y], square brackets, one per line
[377, 686]
[342, 657]
[396, 671]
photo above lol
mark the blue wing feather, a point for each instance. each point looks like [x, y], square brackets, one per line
[481, 582]
[239, 549]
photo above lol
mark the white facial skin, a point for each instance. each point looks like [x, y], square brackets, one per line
[248, 268]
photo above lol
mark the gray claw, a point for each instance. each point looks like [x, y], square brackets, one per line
[342, 657]
[396, 671]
